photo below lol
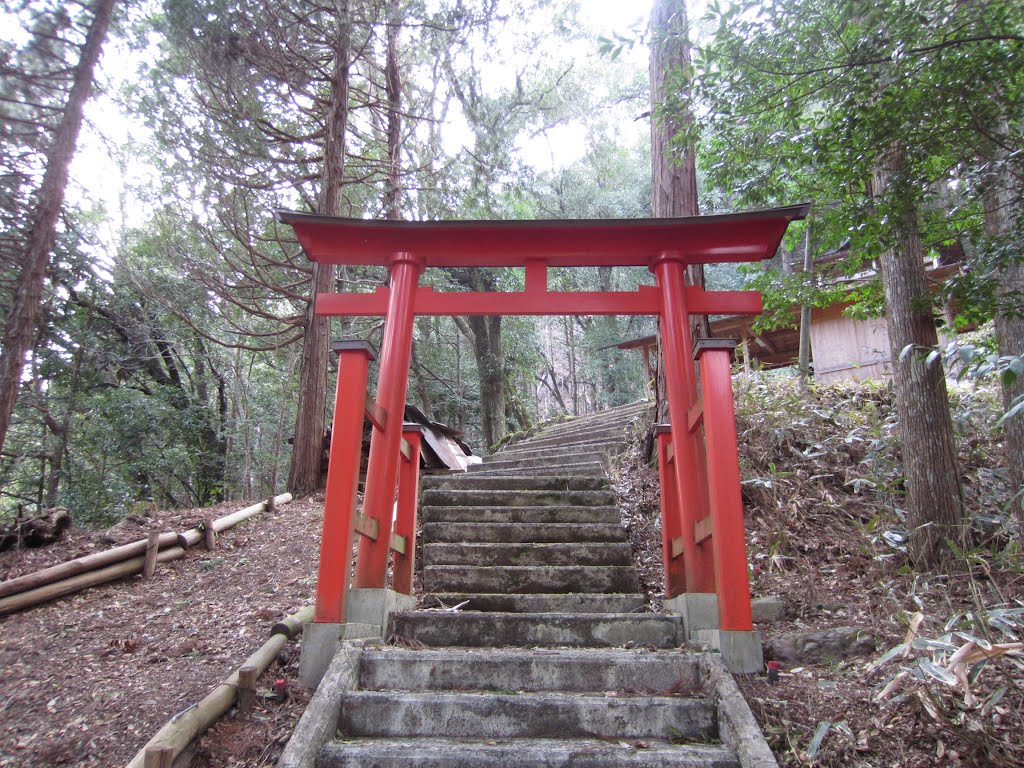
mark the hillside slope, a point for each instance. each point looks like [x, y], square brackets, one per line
[89, 678]
[822, 492]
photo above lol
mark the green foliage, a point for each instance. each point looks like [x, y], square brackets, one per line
[803, 100]
[975, 356]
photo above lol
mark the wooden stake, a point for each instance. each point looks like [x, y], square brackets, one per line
[271, 504]
[209, 534]
[159, 757]
[152, 549]
[246, 688]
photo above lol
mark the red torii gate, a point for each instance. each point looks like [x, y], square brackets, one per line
[702, 513]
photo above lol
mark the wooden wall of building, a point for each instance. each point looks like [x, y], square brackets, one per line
[845, 348]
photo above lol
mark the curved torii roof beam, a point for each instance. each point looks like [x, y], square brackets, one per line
[731, 237]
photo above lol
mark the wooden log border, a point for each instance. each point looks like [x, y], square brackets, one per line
[185, 727]
[117, 563]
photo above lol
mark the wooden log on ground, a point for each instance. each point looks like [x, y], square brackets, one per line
[223, 523]
[190, 538]
[80, 565]
[178, 733]
[182, 730]
[38, 531]
[193, 536]
[91, 579]
[291, 626]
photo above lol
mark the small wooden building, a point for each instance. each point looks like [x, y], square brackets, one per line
[842, 347]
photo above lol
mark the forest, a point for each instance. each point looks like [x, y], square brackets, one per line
[159, 346]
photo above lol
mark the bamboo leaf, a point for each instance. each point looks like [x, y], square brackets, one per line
[936, 672]
[819, 736]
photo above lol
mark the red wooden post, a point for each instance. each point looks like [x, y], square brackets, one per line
[342, 481]
[723, 470]
[681, 385]
[405, 520]
[382, 470]
[671, 516]
[705, 549]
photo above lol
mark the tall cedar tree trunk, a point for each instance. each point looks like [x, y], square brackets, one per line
[804, 351]
[21, 320]
[490, 361]
[307, 448]
[393, 87]
[484, 333]
[62, 430]
[1001, 196]
[674, 169]
[934, 500]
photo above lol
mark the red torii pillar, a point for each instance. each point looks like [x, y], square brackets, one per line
[382, 475]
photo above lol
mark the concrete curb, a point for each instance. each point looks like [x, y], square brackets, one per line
[737, 728]
[320, 719]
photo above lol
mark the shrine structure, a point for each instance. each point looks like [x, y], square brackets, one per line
[702, 515]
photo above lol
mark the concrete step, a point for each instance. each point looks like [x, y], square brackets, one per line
[522, 532]
[581, 630]
[575, 426]
[524, 715]
[499, 461]
[595, 431]
[531, 579]
[572, 437]
[645, 672]
[448, 497]
[472, 481]
[595, 447]
[570, 469]
[535, 554]
[540, 602]
[523, 753]
[536, 515]
[621, 414]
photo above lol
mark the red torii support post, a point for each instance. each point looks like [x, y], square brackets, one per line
[382, 471]
[342, 481]
[704, 549]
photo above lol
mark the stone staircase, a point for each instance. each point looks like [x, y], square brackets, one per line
[550, 659]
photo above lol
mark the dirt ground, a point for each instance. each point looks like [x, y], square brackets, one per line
[88, 679]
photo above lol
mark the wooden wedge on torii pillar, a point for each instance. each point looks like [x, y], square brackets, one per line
[704, 549]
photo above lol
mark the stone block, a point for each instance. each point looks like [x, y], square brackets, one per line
[698, 609]
[768, 609]
[320, 643]
[375, 606]
[741, 651]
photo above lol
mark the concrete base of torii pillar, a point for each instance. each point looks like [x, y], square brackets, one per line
[368, 612]
[741, 651]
